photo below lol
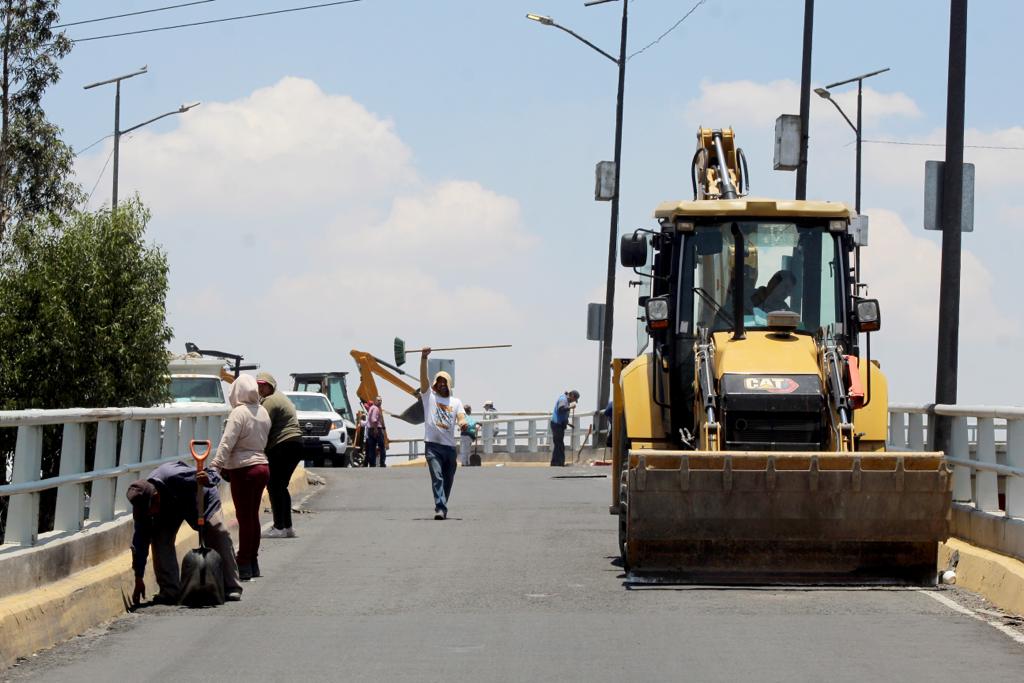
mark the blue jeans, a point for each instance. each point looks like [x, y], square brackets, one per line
[441, 463]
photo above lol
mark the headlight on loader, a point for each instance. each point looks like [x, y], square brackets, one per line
[657, 313]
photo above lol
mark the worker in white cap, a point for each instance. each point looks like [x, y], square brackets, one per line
[444, 417]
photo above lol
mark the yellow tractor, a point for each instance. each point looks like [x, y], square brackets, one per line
[749, 433]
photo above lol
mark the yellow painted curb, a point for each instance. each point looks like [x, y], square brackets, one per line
[48, 615]
[999, 578]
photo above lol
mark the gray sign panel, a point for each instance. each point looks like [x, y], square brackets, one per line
[933, 196]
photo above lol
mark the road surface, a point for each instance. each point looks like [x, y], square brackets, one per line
[518, 584]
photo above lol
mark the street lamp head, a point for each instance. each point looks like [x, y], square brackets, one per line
[185, 107]
[547, 21]
[823, 93]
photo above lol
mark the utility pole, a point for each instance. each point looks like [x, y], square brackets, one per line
[604, 377]
[951, 214]
[805, 100]
[117, 121]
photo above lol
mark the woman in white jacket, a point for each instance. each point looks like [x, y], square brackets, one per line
[242, 460]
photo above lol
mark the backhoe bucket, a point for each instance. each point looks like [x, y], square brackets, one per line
[756, 517]
[413, 414]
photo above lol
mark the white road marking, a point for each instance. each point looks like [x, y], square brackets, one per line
[1014, 635]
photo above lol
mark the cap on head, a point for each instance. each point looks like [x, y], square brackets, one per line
[140, 495]
[266, 378]
[445, 376]
[574, 395]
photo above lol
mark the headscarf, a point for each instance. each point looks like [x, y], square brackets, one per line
[244, 391]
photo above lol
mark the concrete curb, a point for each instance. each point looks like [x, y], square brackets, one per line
[42, 617]
[1000, 579]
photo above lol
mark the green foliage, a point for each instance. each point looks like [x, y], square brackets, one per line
[82, 313]
[36, 166]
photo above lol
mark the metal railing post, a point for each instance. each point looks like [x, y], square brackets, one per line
[532, 436]
[897, 437]
[71, 497]
[23, 510]
[986, 483]
[915, 432]
[188, 432]
[131, 444]
[169, 442]
[101, 506]
[961, 473]
[574, 441]
[150, 442]
[510, 439]
[488, 437]
[1015, 458]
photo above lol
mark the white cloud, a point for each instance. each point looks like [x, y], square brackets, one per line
[750, 103]
[281, 150]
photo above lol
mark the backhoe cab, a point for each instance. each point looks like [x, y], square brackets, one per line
[750, 433]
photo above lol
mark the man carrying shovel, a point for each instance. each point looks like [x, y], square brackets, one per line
[160, 503]
[444, 417]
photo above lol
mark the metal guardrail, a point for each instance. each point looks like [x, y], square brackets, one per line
[130, 440]
[530, 432]
[987, 451]
[127, 440]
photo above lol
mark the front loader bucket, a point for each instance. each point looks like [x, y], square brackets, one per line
[755, 517]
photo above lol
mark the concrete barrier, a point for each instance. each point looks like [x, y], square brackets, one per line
[49, 602]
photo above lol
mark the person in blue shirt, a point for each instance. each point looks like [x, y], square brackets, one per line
[559, 421]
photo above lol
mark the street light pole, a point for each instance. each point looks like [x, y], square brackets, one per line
[117, 120]
[604, 373]
[857, 129]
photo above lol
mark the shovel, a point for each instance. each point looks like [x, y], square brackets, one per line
[401, 352]
[202, 569]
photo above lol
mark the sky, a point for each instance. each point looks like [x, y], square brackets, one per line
[426, 170]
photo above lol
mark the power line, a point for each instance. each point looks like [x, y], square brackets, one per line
[83, 151]
[216, 21]
[673, 28]
[131, 14]
[100, 177]
[938, 144]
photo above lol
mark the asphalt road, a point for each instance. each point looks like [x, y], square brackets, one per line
[518, 584]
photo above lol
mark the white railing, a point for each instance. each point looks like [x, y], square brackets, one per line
[127, 441]
[517, 432]
[987, 451]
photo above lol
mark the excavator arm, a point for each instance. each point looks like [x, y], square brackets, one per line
[371, 366]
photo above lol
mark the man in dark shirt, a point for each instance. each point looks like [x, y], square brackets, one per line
[160, 503]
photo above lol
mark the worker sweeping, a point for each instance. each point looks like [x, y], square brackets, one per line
[444, 418]
[160, 503]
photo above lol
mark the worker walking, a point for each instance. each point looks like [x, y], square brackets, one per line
[444, 416]
[559, 421]
[160, 503]
[284, 451]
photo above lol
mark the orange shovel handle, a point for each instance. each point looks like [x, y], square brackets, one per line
[200, 458]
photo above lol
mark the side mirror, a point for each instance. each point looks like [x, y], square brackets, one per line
[633, 251]
[869, 317]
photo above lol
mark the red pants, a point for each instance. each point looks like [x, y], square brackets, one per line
[247, 484]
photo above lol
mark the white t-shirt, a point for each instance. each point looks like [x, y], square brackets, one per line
[441, 418]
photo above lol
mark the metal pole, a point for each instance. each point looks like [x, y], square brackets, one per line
[952, 206]
[805, 100]
[117, 142]
[856, 191]
[604, 377]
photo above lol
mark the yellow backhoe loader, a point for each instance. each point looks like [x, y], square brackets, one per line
[749, 433]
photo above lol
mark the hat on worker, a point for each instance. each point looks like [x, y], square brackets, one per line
[140, 495]
[266, 378]
[445, 376]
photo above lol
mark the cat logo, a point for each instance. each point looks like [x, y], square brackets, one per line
[772, 385]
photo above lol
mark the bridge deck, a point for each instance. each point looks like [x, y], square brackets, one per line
[517, 585]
